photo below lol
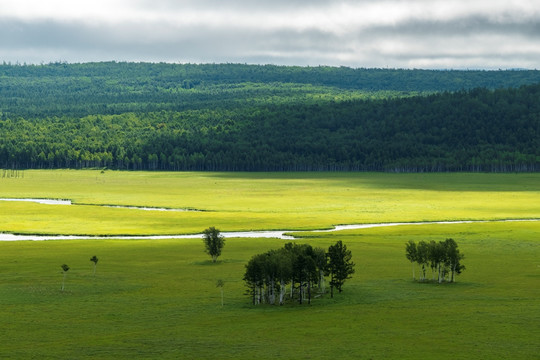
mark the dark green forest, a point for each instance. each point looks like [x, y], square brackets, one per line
[234, 117]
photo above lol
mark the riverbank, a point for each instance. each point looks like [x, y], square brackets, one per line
[277, 234]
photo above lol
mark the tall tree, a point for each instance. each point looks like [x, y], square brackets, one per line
[304, 271]
[65, 269]
[214, 242]
[412, 254]
[453, 257]
[94, 259]
[254, 277]
[340, 265]
[284, 272]
[422, 257]
[220, 283]
[321, 262]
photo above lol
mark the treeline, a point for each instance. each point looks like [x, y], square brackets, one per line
[77, 90]
[233, 117]
[443, 257]
[302, 267]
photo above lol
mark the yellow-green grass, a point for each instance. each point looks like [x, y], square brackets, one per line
[158, 299]
[256, 201]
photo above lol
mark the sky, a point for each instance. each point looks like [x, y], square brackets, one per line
[427, 34]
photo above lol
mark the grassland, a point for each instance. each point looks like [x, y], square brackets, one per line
[158, 298]
[263, 201]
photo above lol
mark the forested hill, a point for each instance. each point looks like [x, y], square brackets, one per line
[267, 118]
[113, 88]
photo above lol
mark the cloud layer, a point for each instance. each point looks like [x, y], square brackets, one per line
[368, 33]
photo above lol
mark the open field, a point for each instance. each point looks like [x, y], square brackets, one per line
[257, 201]
[158, 299]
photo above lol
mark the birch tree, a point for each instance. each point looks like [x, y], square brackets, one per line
[65, 269]
[214, 242]
[437, 257]
[305, 271]
[422, 257]
[453, 257]
[284, 272]
[412, 254]
[254, 277]
[94, 259]
[220, 283]
[321, 262]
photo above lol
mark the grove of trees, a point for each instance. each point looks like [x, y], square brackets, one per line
[300, 267]
[443, 257]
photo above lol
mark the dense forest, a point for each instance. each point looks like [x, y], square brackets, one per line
[235, 117]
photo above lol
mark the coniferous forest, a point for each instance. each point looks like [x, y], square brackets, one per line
[234, 117]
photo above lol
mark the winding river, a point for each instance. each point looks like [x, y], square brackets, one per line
[68, 202]
[277, 234]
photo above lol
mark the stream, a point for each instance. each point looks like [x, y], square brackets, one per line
[68, 202]
[276, 234]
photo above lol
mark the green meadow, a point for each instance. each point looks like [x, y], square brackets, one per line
[257, 201]
[158, 298]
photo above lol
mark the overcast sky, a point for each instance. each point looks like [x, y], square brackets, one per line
[458, 34]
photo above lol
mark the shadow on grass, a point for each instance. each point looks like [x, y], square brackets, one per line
[217, 263]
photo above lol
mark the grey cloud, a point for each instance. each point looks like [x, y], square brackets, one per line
[243, 5]
[460, 27]
[480, 53]
[420, 44]
[132, 39]
[470, 42]
[43, 34]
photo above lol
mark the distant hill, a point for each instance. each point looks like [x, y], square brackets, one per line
[238, 117]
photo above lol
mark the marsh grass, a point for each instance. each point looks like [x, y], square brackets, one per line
[256, 201]
[158, 299]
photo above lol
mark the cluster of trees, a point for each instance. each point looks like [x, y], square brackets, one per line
[267, 118]
[443, 257]
[11, 173]
[302, 267]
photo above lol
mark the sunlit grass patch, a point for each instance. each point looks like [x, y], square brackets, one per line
[257, 201]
